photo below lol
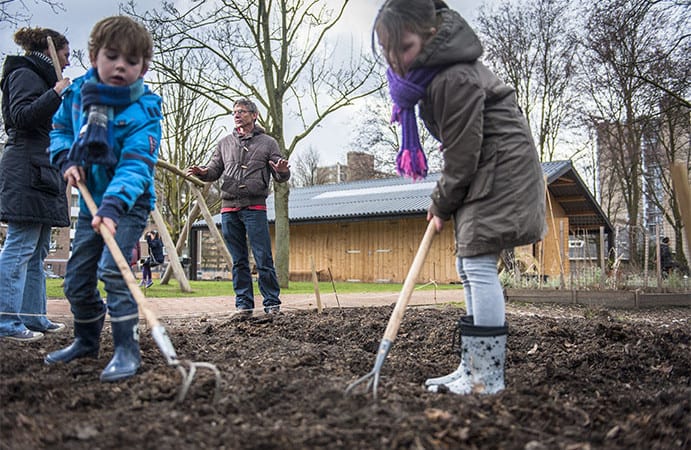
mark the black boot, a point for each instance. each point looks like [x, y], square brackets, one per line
[126, 358]
[87, 337]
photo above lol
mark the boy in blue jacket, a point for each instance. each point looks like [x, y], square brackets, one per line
[106, 134]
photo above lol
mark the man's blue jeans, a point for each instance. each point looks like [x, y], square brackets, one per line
[22, 278]
[91, 261]
[237, 227]
[484, 297]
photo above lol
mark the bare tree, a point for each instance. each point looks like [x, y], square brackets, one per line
[669, 142]
[305, 171]
[619, 40]
[275, 52]
[189, 135]
[530, 44]
[14, 12]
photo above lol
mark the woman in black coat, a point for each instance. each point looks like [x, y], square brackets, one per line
[33, 195]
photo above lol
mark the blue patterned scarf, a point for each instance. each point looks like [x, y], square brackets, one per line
[96, 137]
[405, 92]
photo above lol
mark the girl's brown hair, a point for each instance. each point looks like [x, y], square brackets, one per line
[36, 39]
[398, 16]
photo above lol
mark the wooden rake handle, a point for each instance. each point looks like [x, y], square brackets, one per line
[409, 284]
[54, 57]
[120, 260]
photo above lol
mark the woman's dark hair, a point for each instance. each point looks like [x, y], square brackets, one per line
[36, 39]
[398, 16]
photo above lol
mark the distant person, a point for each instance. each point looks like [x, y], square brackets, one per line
[106, 134]
[492, 183]
[135, 257]
[246, 160]
[33, 196]
[667, 263]
[155, 258]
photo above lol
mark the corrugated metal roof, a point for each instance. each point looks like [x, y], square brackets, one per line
[389, 196]
[396, 196]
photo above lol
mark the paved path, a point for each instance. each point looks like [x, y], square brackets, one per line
[210, 306]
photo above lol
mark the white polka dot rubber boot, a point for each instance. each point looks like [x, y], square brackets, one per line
[484, 351]
[431, 383]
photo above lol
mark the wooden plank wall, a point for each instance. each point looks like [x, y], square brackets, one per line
[552, 249]
[382, 250]
[370, 251]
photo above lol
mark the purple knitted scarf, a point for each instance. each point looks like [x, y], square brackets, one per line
[405, 92]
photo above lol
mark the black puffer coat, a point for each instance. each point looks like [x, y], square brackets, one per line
[31, 190]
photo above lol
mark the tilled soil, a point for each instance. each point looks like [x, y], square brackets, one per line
[576, 378]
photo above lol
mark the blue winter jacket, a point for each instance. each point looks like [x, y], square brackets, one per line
[137, 133]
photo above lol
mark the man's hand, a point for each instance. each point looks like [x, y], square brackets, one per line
[438, 221]
[73, 175]
[196, 170]
[280, 166]
[108, 222]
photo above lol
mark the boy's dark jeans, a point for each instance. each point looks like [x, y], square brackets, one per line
[92, 261]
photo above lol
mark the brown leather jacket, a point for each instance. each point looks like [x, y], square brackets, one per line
[242, 163]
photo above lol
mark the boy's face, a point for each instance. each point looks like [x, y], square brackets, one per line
[116, 68]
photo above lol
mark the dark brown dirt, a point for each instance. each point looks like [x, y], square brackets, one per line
[576, 378]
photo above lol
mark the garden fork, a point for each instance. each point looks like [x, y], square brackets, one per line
[397, 315]
[158, 332]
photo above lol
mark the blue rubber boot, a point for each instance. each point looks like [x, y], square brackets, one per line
[87, 336]
[126, 358]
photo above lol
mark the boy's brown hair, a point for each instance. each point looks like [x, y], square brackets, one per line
[124, 34]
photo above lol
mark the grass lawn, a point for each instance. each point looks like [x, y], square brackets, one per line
[224, 288]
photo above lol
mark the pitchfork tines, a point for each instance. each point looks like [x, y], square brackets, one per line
[188, 369]
[372, 378]
[397, 314]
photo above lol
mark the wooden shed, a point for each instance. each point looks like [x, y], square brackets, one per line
[369, 230]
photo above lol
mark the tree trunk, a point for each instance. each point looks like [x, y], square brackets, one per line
[282, 233]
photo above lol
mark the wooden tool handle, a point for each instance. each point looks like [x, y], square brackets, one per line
[54, 57]
[120, 260]
[409, 284]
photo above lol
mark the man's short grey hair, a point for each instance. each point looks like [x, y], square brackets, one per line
[247, 103]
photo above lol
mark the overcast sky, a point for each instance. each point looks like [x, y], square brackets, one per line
[80, 15]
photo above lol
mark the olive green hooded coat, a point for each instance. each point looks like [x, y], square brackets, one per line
[492, 182]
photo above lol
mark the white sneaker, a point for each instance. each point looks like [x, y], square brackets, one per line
[25, 336]
[55, 327]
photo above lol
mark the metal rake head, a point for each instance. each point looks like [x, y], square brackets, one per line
[188, 377]
[372, 377]
[163, 341]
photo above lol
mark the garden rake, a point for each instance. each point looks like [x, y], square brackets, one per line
[397, 316]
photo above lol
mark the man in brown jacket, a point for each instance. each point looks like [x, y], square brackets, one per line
[246, 160]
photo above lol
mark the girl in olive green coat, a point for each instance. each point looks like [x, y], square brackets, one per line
[492, 182]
